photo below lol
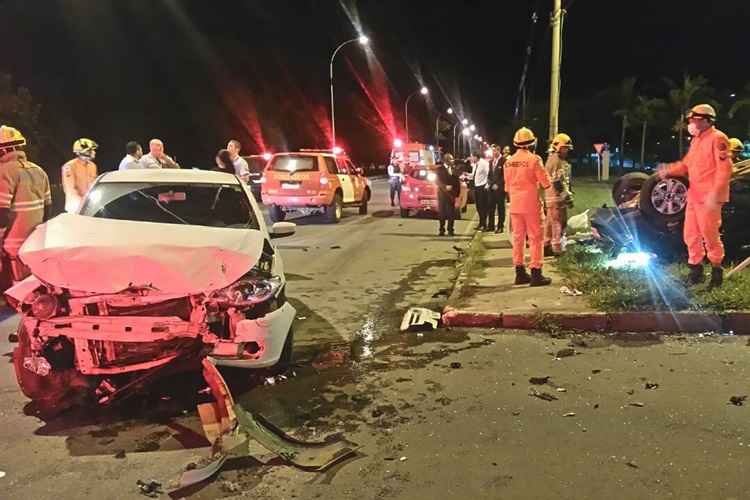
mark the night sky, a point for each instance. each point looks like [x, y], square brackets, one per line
[196, 73]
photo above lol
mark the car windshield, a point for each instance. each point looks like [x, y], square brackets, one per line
[215, 205]
[294, 163]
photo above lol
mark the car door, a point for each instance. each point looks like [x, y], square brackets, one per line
[358, 180]
[345, 179]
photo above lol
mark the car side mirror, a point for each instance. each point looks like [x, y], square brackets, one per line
[283, 229]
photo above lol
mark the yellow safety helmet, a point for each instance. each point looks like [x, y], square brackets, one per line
[703, 111]
[10, 139]
[736, 145]
[448, 158]
[84, 147]
[506, 150]
[524, 138]
[562, 141]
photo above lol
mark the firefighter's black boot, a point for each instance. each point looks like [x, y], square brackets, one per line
[537, 279]
[522, 277]
[696, 274]
[717, 277]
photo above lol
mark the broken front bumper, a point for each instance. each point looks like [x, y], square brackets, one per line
[108, 345]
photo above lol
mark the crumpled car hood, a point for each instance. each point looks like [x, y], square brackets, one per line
[108, 256]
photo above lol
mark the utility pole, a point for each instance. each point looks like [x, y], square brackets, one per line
[554, 95]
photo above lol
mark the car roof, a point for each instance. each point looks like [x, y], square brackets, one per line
[169, 175]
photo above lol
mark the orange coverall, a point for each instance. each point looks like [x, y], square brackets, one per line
[524, 174]
[708, 167]
[77, 178]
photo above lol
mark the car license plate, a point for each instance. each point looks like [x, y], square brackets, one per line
[290, 185]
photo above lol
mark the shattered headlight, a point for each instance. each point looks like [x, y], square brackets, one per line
[248, 291]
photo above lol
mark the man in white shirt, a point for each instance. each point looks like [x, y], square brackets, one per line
[132, 158]
[481, 193]
[156, 158]
[241, 169]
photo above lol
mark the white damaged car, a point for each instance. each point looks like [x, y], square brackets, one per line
[159, 269]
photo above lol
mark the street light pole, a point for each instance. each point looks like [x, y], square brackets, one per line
[554, 98]
[422, 91]
[362, 40]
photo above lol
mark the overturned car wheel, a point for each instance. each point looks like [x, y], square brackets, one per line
[627, 187]
[663, 201]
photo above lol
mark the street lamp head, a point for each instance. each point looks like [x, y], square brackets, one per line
[473, 127]
[449, 111]
[424, 91]
[465, 121]
[466, 132]
[397, 143]
[363, 40]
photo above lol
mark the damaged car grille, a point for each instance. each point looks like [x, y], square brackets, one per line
[180, 308]
[109, 354]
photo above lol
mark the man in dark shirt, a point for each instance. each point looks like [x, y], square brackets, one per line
[496, 183]
[448, 190]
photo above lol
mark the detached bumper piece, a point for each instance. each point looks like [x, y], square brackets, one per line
[230, 429]
[419, 318]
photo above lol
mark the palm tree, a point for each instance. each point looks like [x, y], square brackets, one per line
[646, 111]
[742, 105]
[626, 109]
[682, 97]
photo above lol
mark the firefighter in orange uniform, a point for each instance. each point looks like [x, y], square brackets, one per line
[25, 199]
[524, 175]
[79, 173]
[708, 166]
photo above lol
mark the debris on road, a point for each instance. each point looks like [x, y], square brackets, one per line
[329, 359]
[2, 474]
[737, 400]
[150, 488]
[573, 292]
[455, 365]
[539, 380]
[637, 404]
[542, 395]
[120, 454]
[651, 385]
[570, 414]
[632, 464]
[335, 247]
[420, 318]
[230, 429]
[402, 459]
[564, 353]
[561, 389]
[595, 371]
[301, 318]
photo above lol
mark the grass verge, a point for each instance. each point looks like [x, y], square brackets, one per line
[656, 287]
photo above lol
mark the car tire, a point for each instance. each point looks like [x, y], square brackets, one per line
[333, 211]
[51, 394]
[276, 213]
[663, 201]
[363, 206]
[368, 195]
[404, 213]
[286, 359]
[627, 187]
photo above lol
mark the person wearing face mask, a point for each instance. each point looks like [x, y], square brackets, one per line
[708, 166]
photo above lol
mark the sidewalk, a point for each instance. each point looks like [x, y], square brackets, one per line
[484, 296]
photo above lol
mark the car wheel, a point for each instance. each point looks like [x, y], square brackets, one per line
[663, 201]
[404, 213]
[368, 194]
[53, 393]
[334, 211]
[276, 213]
[627, 187]
[363, 207]
[286, 360]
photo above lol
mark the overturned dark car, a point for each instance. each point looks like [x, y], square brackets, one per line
[649, 213]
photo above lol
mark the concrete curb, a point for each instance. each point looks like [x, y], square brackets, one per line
[463, 275]
[737, 322]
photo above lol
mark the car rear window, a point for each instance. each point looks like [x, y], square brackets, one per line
[294, 163]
